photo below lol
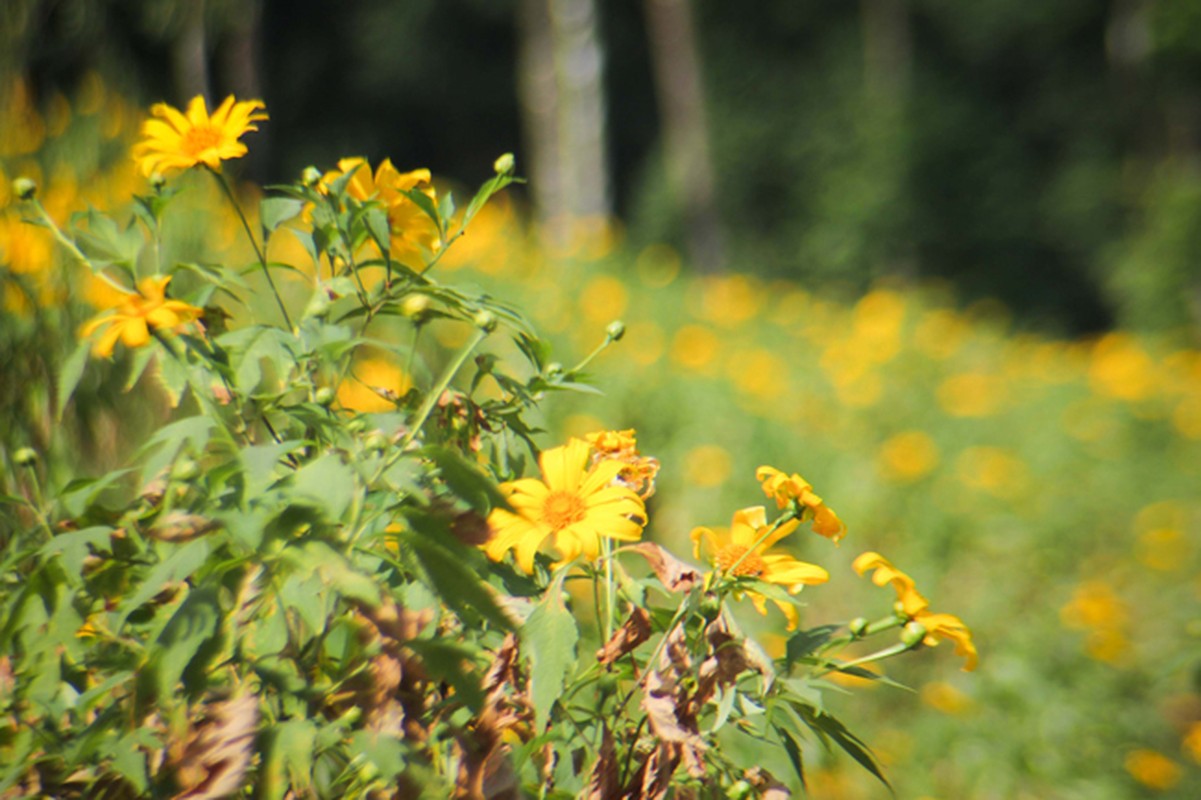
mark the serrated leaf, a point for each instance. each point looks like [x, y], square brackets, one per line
[73, 547]
[376, 219]
[141, 359]
[69, 375]
[466, 480]
[181, 563]
[289, 761]
[794, 753]
[454, 581]
[802, 643]
[259, 464]
[274, 211]
[851, 744]
[104, 243]
[550, 636]
[193, 623]
[318, 558]
[327, 483]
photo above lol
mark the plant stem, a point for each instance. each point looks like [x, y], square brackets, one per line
[71, 247]
[258, 251]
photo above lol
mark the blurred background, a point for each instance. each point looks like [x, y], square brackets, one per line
[943, 259]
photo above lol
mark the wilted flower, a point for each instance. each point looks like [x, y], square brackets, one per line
[638, 471]
[784, 489]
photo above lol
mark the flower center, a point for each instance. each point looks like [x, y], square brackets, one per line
[562, 509]
[752, 565]
[198, 140]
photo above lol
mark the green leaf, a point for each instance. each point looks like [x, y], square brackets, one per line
[423, 201]
[376, 219]
[259, 463]
[304, 594]
[802, 643]
[794, 753]
[172, 377]
[192, 431]
[384, 751]
[73, 547]
[274, 211]
[129, 760]
[183, 561]
[104, 243]
[851, 744]
[141, 359]
[289, 761]
[318, 558]
[549, 635]
[484, 194]
[68, 377]
[454, 580]
[327, 483]
[194, 622]
[466, 480]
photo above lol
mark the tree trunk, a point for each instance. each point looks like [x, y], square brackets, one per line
[189, 60]
[685, 132]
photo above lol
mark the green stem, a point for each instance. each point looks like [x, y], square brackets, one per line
[258, 251]
[879, 655]
[588, 359]
[71, 247]
[607, 547]
[431, 399]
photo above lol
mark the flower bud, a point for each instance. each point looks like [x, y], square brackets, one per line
[485, 321]
[24, 188]
[554, 370]
[857, 626]
[710, 607]
[25, 457]
[310, 176]
[912, 634]
[504, 164]
[376, 441]
[185, 470]
[324, 396]
[415, 305]
[157, 182]
[616, 330]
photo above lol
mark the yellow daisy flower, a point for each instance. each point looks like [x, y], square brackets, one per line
[573, 503]
[413, 232]
[178, 140]
[915, 606]
[638, 472]
[737, 550]
[784, 488]
[132, 320]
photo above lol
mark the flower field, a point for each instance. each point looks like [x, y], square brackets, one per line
[1035, 500]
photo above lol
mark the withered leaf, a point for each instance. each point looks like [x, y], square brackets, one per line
[180, 526]
[218, 751]
[674, 574]
[633, 632]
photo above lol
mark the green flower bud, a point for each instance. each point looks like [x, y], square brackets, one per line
[376, 441]
[157, 182]
[554, 370]
[415, 306]
[740, 790]
[24, 188]
[504, 164]
[310, 176]
[25, 457]
[857, 626]
[606, 684]
[913, 634]
[356, 425]
[616, 330]
[185, 470]
[485, 321]
[710, 606]
[324, 396]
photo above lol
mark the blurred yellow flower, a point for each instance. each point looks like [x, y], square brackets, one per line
[603, 299]
[373, 381]
[740, 553]
[940, 333]
[1153, 770]
[995, 470]
[694, 347]
[907, 456]
[413, 233]
[132, 320]
[972, 394]
[638, 471]
[176, 140]
[707, 465]
[944, 697]
[573, 504]
[784, 488]
[914, 606]
[1121, 368]
[1192, 742]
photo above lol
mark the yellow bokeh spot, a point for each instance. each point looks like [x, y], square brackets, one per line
[972, 394]
[707, 466]
[758, 372]
[1191, 744]
[657, 266]
[907, 456]
[694, 347]
[1186, 417]
[358, 391]
[644, 342]
[940, 333]
[877, 321]
[730, 301]
[1121, 368]
[604, 299]
[994, 470]
[1094, 604]
[1153, 769]
[945, 697]
[1090, 420]
[578, 425]
[1163, 549]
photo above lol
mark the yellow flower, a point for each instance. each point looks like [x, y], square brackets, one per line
[574, 503]
[742, 554]
[914, 606]
[785, 488]
[181, 141]
[132, 320]
[413, 232]
[1153, 769]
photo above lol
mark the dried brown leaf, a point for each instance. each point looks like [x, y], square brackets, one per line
[768, 786]
[633, 632]
[217, 752]
[605, 783]
[674, 574]
[180, 526]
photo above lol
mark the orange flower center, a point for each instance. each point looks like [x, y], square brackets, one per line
[198, 140]
[729, 555]
[562, 509]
